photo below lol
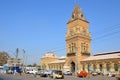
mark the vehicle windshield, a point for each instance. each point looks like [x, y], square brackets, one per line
[59, 72]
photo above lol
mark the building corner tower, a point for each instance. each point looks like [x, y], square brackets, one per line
[78, 40]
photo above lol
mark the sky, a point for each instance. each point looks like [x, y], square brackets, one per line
[40, 26]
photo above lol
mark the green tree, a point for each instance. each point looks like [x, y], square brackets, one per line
[34, 65]
[29, 65]
[3, 58]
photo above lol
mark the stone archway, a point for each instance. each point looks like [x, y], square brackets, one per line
[72, 67]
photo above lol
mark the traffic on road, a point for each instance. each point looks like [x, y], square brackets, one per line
[54, 75]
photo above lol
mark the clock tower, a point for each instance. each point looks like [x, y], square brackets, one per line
[78, 40]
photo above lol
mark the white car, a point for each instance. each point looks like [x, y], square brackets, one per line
[67, 72]
[94, 73]
[32, 71]
[57, 74]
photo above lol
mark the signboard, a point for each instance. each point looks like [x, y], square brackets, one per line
[66, 68]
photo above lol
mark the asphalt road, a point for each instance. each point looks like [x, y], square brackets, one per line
[31, 77]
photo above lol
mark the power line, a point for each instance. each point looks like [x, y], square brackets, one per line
[107, 29]
[59, 50]
[106, 35]
[110, 31]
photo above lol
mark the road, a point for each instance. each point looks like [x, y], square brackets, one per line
[31, 77]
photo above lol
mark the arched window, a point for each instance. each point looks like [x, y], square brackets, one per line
[69, 48]
[84, 32]
[72, 66]
[116, 67]
[84, 47]
[60, 67]
[83, 67]
[94, 67]
[101, 67]
[108, 67]
[89, 68]
[72, 47]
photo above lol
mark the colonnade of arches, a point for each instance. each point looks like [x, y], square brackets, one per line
[104, 67]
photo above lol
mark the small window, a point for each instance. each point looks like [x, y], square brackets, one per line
[101, 67]
[84, 32]
[116, 67]
[81, 15]
[73, 16]
[83, 67]
[94, 67]
[108, 67]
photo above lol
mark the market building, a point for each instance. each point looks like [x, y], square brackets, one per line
[46, 59]
[78, 50]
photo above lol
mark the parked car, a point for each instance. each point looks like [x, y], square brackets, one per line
[32, 71]
[94, 73]
[45, 73]
[82, 74]
[111, 74]
[67, 73]
[57, 74]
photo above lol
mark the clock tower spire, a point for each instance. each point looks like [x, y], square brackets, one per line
[77, 14]
[78, 40]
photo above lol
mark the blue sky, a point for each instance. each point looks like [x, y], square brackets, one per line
[39, 26]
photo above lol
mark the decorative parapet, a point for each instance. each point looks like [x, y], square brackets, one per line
[85, 53]
[71, 53]
[78, 35]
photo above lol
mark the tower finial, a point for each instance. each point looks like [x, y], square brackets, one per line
[77, 14]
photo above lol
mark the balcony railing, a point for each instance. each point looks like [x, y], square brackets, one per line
[85, 53]
[71, 53]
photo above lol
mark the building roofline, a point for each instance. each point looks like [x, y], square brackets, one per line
[106, 53]
[76, 19]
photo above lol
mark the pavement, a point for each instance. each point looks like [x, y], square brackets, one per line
[32, 77]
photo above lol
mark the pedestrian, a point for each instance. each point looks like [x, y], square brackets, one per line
[14, 72]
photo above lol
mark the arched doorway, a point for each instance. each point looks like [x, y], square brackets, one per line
[72, 67]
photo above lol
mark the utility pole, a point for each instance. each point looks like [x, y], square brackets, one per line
[24, 60]
[17, 51]
[23, 57]
[16, 57]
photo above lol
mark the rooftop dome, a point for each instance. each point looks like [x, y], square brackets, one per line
[77, 14]
[50, 54]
